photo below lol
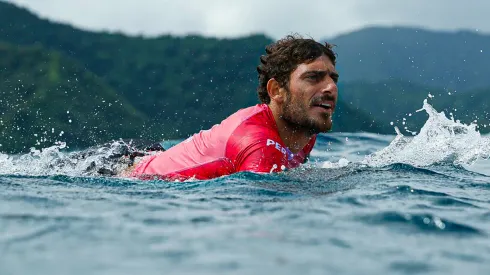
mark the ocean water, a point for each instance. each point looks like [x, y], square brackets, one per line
[364, 204]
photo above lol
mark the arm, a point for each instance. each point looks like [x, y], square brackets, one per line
[263, 157]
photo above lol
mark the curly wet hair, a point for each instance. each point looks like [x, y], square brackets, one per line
[282, 58]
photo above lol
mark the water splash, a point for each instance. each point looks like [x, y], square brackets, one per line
[440, 141]
[55, 160]
[343, 162]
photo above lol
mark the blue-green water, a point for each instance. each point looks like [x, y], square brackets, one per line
[394, 212]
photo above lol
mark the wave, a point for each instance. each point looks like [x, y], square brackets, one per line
[421, 222]
[56, 160]
[440, 141]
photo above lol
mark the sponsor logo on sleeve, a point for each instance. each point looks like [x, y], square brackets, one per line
[276, 145]
[280, 148]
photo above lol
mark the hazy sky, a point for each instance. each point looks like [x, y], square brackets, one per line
[232, 18]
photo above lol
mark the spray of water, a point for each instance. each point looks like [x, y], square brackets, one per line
[107, 159]
[440, 141]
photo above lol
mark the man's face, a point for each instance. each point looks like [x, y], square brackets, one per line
[311, 96]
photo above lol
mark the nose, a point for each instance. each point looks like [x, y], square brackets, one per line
[330, 87]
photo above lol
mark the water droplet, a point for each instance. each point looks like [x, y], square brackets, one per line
[439, 223]
[273, 168]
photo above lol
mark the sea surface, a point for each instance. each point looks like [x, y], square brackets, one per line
[365, 204]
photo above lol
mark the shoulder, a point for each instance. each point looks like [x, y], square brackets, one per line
[256, 127]
[254, 121]
[258, 114]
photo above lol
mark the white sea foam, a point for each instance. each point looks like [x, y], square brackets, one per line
[55, 160]
[440, 140]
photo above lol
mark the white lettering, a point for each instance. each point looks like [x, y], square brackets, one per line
[278, 147]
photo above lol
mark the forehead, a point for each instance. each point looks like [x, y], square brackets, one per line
[322, 63]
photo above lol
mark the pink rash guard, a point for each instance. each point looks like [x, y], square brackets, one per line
[248, 140]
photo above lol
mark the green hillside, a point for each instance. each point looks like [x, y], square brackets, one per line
[447, 60]
[175, 81]
[397, 102]
[46, 97]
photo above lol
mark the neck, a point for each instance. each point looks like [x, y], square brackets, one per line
[294, 137]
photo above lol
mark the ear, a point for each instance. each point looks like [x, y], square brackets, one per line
[275, 91]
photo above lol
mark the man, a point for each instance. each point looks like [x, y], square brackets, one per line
[298, 91]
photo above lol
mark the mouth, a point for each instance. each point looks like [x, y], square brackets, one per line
[326, 106]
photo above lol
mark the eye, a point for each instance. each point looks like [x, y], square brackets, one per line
[315, 77]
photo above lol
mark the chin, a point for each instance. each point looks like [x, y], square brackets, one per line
[327, 129]
[326, 126]
[323, 128]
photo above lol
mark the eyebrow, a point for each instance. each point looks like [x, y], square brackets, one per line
[333, 74]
